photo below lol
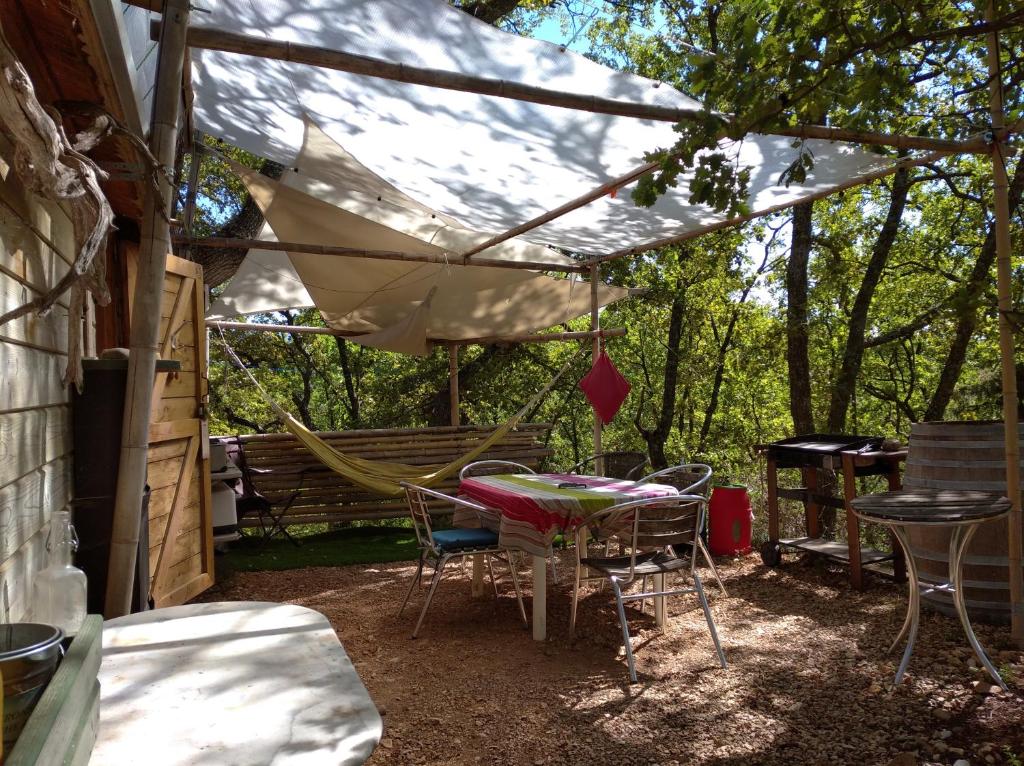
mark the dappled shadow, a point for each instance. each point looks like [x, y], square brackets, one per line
[490, 163]
[806, 682]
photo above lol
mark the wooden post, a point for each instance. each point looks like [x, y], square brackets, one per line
[453, 382]
[772, 472]
[1001, 204]
[145, 321]
[595, 326]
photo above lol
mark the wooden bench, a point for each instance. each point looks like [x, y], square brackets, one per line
[321, 495]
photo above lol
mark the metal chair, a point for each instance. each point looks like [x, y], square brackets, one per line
[690, 479]
[491, 467]
[655, 531]
[446, 544]
[249, 501]
[617, 465]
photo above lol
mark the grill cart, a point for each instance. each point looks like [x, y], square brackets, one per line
[852, 456]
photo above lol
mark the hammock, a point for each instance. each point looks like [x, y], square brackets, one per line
[381, 476]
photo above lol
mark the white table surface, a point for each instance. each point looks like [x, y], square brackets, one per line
[230, 684]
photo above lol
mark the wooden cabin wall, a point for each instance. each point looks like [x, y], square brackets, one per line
[35, 417]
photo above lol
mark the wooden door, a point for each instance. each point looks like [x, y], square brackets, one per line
[180, 508]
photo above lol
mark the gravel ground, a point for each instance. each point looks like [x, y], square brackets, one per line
[806, 684]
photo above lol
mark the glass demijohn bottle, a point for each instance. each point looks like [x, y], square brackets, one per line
[59, 595]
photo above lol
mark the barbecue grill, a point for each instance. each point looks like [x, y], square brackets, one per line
[850, 455]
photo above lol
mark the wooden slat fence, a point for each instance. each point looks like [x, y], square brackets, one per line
[325, 496]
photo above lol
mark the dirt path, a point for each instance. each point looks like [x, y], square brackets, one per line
[806, 683]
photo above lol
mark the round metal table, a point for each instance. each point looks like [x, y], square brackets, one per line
[961, 510]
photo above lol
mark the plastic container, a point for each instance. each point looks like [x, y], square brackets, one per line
[59, 592]
[29, 654]
[730, 521]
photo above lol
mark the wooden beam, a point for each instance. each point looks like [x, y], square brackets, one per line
[145, 321]
[607, 188]
[858, 181]
[216, 324]
[248, 45]
[550, 337]
[1001, 203]
[383, 255]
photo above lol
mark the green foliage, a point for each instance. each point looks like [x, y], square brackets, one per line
[885, 67]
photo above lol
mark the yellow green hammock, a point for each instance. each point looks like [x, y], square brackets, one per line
[378, 475]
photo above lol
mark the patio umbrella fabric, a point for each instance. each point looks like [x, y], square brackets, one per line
[490, 163]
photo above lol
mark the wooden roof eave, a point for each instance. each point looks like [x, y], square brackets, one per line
[62, 46]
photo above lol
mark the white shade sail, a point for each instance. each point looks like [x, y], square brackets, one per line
[490, 163]
[398, 305]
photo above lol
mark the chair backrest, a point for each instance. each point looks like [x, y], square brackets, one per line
[490, 467]
[617, 465]
[419, 499]
[235, 450]
[688, 478]
[653, 523]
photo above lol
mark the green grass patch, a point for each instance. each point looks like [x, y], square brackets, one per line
[318, 548]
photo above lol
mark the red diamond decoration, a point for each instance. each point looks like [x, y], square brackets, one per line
[605, 388]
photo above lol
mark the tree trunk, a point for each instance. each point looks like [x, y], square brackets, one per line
[725, 344]
[219, 263]
[853, 354]
[967, 309]
[657, 436]
[797, 354]
[438, 409]
[490, 11]
[349, 376]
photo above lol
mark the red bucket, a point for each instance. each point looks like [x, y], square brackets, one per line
[730, 519]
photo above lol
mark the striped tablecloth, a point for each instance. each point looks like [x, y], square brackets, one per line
[534, 509]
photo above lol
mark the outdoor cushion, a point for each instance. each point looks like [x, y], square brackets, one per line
[450, 540]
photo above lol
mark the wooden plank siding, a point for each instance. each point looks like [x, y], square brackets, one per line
[35, 417]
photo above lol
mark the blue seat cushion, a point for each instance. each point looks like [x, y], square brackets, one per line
[451, 540]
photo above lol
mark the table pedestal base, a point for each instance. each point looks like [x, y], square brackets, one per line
[958, 542]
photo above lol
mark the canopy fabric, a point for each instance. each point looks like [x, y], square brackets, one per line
[490, 163]
[389, 299]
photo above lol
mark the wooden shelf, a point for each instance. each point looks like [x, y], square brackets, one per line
[836, 551]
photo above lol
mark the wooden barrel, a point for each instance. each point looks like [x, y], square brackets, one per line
[962, 455]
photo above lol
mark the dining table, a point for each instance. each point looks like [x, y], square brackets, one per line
[535, 508]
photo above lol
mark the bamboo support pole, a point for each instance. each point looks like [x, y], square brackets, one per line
[145, 320]
[1009, 376]
[232, 42]
[595, 353]
[549, 337]
[384, 255]
[614, 185]
[453, 382]
[857, 181]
